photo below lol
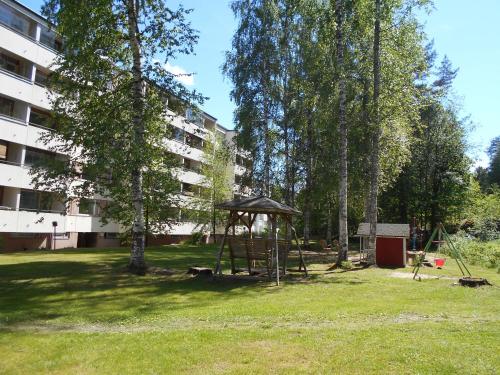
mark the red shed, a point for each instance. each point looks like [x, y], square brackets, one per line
[391, 243]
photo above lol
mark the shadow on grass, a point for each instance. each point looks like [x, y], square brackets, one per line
[79, 284]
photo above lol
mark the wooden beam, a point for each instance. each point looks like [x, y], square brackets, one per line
[302, 263]
[232, 218]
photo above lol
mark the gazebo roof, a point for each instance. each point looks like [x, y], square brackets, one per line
[260, 204]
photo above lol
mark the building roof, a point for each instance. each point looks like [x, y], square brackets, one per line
[259, 204]
[385, 230]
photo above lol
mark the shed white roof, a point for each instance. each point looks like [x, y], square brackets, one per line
[386, 230]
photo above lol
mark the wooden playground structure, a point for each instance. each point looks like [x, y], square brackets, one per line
[266, 257]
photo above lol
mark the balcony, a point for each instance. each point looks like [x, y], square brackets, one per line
[189, 177]
[20, 88]
[82, 223]
[26, 46]
[31, 221]
[15, 130]
[12, 174]
[183, 150]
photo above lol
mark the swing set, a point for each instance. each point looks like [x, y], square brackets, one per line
[444, 238]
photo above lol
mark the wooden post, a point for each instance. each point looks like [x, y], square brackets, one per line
[218, 270]
[301, 263]
[230, 221]
[275, 234]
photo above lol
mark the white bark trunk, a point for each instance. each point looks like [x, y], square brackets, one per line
[137, 263]
[376, 131]
[343, 231]
[307, 198]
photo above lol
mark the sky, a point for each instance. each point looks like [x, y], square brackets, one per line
[468, 32]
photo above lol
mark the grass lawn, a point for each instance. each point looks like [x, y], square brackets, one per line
[76, 312]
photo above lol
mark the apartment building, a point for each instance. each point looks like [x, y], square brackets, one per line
[28, 216]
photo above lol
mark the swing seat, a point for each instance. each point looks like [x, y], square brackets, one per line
[439, 262]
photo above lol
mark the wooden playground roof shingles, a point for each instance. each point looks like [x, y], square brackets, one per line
[385, 230]
[260, 204]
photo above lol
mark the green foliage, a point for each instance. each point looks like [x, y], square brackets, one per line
[434, 185]
[494, 167]
[475, 251]
[217, 181]
[482, 217]
[111, 106]
[346, 265]
[195, 239]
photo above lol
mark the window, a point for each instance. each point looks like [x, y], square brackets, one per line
[40, 118]
[36, 157]
[41, 77]
[6, 106]
[50, 39]
[191, 165]
[190, 189]
[36, 200]
[15, 20]
[29, 200]
[194, 141]
[9, 63]
[111, 235]
[3, 150]
[195, 117]
[178, 134]
[91, 207]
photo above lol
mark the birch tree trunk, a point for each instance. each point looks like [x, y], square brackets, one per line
[137, 263]
[307, 197]
[329, 224]
[343, 232]
[376, 132]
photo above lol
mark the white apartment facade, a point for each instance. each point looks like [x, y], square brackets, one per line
[27, 50]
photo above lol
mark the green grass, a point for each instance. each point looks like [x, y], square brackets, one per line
[76, 311]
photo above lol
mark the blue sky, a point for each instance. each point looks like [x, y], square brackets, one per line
[467, 32]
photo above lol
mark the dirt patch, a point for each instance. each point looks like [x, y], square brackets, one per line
[408, 275]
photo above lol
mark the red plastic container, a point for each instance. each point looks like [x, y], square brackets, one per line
[439, 262]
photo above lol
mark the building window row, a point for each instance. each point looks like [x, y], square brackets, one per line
[26, 26]
[23, 68]
[17, 110]
[17, 154]
[180, 135]
[43, 201]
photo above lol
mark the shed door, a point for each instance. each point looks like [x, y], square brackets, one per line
[390, 252]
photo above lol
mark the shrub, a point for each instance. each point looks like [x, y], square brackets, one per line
[346, 265]
[474, 251]
[195, 239]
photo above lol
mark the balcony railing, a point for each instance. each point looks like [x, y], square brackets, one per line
[45, 211]
[12, 118]
[53, 45]
[8, 162]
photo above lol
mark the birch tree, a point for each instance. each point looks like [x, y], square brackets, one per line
[112, 92]
[375, 141]
[340, 47]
